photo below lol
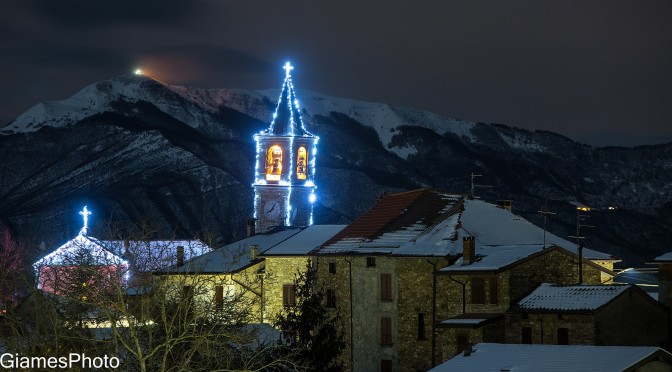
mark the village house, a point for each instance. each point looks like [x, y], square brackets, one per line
[588, 315]
[234, 272]
[664, 265]
[487, 280]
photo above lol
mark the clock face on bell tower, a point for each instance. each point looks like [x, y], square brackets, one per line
[284, 187]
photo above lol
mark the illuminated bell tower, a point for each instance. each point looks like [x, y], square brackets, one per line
[284, 187]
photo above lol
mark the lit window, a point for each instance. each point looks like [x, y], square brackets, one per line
[301, 163]
[274, 163]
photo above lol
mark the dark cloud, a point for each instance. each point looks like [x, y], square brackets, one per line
[595, 70]
[86, 13]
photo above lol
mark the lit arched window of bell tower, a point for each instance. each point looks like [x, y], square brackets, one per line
[284, 187]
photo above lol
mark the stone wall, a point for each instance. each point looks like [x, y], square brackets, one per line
[280, 270]
[545, 326]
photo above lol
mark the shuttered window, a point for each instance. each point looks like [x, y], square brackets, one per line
[386, 330]
[477, 291]
[331, 298]
[219, 297]
[288, 295]
[493, 291]
[386, 287]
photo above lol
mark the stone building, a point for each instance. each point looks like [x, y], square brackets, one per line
[235, 271]
[487, 280]
[588, 315]
[664, 265]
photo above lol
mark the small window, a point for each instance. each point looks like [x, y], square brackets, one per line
[478, 291]
[386, 331]
[386, 287]
[563, 336]
[421, 326]
[524, 316]
[526, 335]
[386, 365]
[493, 291]
[332, 267]
[288, 298]
[331, 298]
[370, 262]
[219, 297]
[560, 316]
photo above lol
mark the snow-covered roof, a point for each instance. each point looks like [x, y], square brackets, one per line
[142, 255]
[81, 250]
[495, 226]
[472, 320]
[232, 257]
[552, 297]
[494, 258]
[304, 241]
[667, 257]
[429, 223]
[546, 358]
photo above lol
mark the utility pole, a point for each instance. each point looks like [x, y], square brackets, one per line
[578, 237]
[474, 186]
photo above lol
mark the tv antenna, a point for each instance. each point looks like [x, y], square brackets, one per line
[545, 213]
[474, 186]
[578, 237]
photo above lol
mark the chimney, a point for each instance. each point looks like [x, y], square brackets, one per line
[505, 204]
[468, 250]
[250, 226]
[180, 255]
[254, 252]
[468, 350]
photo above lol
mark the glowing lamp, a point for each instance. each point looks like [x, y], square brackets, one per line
[138, 71]
[312, 198]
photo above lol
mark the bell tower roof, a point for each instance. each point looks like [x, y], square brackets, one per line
[287, 119]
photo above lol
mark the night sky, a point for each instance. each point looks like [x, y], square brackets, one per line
[597, 71]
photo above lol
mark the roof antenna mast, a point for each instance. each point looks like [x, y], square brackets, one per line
[578, 237]
[474, 186]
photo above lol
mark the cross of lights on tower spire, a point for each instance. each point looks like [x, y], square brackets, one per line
[85, 215]
[288, 69]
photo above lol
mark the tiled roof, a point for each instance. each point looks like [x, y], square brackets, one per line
[303, 242]
[547, 358]
[232, 257]
[396, 221]
[551, 297]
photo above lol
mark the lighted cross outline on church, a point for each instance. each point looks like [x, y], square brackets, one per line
[284, 187]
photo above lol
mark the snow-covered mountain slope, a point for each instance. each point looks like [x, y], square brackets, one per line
[181, 157]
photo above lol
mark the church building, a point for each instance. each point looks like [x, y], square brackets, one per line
[284, 187]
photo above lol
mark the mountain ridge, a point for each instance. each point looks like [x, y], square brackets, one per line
[183, 157]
